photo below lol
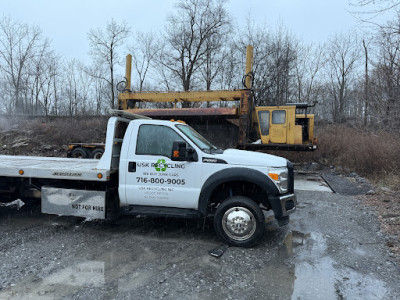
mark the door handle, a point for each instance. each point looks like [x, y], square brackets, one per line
[132, 166]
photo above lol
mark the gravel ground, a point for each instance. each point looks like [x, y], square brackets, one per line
[382, 200]
[387, 205]
[332, 249]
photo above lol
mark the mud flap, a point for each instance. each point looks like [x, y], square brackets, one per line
[283, 221]
[71, 202]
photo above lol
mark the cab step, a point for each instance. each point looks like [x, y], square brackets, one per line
[160, 211]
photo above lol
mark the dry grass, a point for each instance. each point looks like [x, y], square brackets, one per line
[374, 155]
[67, 130]
[39, 138]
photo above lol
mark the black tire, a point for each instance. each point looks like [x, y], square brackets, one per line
[249, 225]
[97, 153]
[80, 153]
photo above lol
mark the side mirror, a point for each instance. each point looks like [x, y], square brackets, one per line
[181, 153]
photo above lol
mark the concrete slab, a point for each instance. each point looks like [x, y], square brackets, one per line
[310, 182]
[347, 185]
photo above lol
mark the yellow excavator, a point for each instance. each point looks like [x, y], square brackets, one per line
[285, 127]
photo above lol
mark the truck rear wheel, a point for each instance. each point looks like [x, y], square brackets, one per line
[239, 221]
[80, 153]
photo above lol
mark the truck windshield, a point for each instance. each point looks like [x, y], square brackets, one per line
[196, 138]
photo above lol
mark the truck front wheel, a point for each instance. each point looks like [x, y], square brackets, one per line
[239, 221]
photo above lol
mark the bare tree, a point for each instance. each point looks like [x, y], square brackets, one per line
[215, 54]
[343, 54]
[144, 52]
[56, 87]
[104, 46]
[194, 24]
[371, 12]
[230, 76]
[71, 87]
[42, 70]
[384, 81]
[274, 58]
[281, 64]
[99, 90]
[309, 62]
[372, 8]
[18, 45]
[259, 37]
[6, 95]
[366, 84]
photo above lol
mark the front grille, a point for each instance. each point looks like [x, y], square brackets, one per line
[290, 177]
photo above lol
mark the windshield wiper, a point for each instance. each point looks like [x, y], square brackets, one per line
[216, 150]
[207, 150]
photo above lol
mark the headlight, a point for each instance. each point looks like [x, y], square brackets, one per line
[280, 177]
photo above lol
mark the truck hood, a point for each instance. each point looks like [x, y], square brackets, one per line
[250, 158]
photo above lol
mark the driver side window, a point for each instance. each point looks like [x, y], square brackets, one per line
[156, 140]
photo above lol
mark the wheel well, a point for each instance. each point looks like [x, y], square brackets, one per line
[238, 188]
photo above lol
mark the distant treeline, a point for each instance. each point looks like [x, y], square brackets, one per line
[354, 77]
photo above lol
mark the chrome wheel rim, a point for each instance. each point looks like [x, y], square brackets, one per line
[239, 223]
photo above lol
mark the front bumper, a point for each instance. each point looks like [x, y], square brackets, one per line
[288, 204]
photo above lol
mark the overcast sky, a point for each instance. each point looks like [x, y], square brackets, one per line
[67, 22]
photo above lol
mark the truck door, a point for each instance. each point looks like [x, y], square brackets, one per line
[263, 123]
[153, 179]
[278, 125]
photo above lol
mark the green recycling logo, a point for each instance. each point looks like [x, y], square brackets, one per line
[161, 165]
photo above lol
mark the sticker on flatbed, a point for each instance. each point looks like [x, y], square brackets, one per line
[71, 174]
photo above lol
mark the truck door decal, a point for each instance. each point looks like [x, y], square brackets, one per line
[159, 181]
[161, 165]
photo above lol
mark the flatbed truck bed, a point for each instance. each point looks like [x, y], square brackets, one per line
[52, 168]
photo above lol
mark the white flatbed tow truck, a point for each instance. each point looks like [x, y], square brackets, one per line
[159, 168]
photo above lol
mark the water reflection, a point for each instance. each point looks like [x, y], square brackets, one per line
[294, 239]
[82, 274]
[180, 273]
[289, 266]
[319, 275]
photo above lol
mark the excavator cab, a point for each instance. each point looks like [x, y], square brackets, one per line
[281, 126]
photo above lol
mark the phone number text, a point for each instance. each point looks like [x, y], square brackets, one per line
[160, 180]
